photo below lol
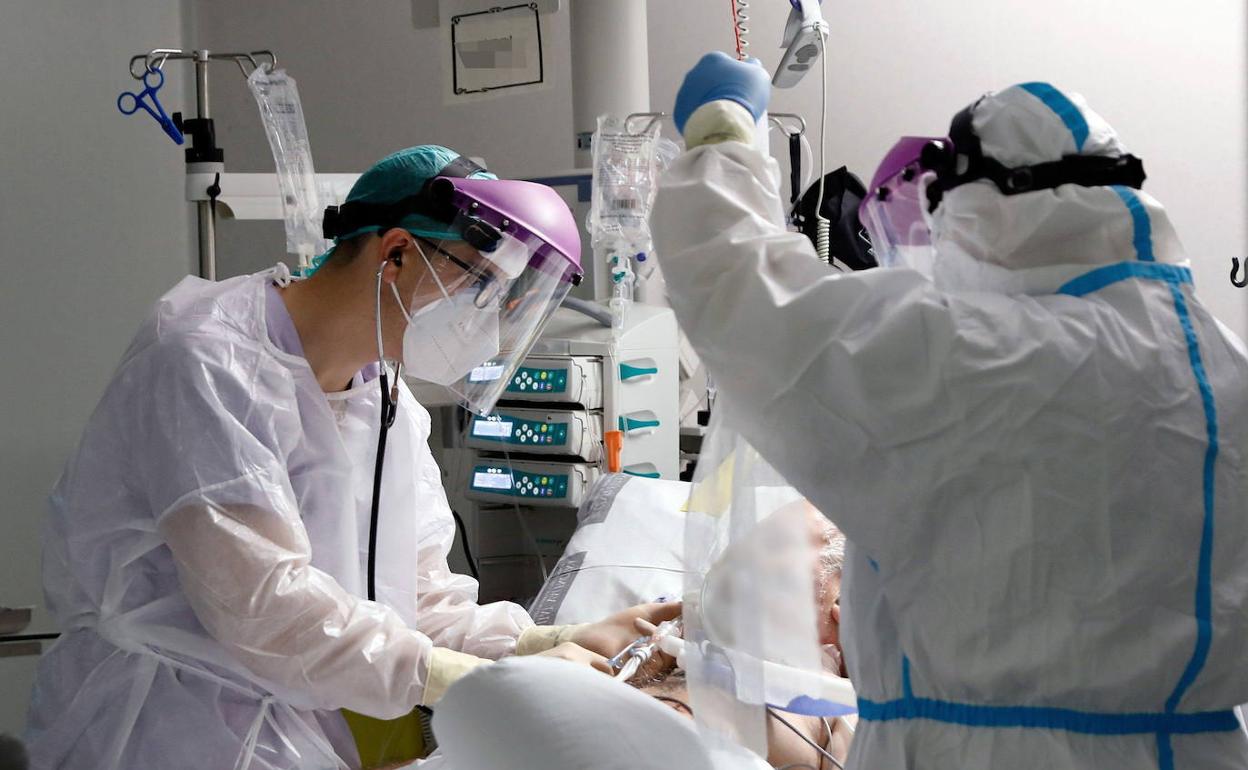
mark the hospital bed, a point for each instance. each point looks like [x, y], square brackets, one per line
[628, 548]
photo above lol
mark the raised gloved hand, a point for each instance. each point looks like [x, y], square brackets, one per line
[719, 76]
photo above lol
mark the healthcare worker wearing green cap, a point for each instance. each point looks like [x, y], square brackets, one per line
[210, 551]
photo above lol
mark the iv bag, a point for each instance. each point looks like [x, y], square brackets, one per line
[625, 180]
[282, 113]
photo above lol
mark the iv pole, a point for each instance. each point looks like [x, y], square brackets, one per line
[205, 161]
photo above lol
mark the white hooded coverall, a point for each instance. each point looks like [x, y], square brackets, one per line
[1038, 458]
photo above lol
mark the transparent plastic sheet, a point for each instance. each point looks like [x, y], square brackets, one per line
[750, 594]
[302, 202]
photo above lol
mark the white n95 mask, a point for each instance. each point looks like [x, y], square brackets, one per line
[449, 337]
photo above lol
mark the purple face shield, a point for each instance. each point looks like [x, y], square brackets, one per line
[894, 210]
[527, 258]
[528, 212]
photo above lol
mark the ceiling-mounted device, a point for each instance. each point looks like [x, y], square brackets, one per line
[801, 42]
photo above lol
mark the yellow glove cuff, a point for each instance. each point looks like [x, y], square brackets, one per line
[445, 668]
[719, 121]
[537, 639]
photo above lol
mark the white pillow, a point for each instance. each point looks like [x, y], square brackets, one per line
[628, 549]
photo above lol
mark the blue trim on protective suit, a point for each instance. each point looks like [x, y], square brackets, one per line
[1169, 722]
[1204, 569]
[1101, 277]
[1063, 107]
[1141, 226]
[1204, 601]
[1040, 717]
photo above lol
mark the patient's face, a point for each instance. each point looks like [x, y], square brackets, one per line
[825, 540]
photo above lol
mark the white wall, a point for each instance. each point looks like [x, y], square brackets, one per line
[370, 83]
[1169, 76]
[93, 232]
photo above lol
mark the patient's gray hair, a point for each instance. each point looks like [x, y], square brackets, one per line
[830, 552]
[832, 548]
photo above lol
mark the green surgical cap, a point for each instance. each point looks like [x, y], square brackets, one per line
[398, 176]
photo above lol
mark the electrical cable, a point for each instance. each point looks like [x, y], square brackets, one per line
[741, 26]
[823, 227]
[463, 541]
[827, 728]
[822, 751]
[524, 525]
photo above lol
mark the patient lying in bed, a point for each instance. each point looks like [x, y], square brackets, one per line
[789, 744]
[528, 713]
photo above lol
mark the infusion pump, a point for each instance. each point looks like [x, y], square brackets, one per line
[585, 402]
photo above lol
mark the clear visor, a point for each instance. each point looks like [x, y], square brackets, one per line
[501, 301]
[509, 257]
[894, 217]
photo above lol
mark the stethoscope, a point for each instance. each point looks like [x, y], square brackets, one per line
[389, 408]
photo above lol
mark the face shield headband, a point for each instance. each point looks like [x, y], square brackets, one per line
[433, 201]
[961, 159]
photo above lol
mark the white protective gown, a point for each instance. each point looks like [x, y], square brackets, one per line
[206, 558]
[1038, 460]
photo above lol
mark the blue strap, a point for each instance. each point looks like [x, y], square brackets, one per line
[1040, 717]
[1095, 280]
[1063, 107]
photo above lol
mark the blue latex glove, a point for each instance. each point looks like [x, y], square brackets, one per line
[719, 76]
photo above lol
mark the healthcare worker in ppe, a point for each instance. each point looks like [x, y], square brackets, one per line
[211, 556]
[1027, 424]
